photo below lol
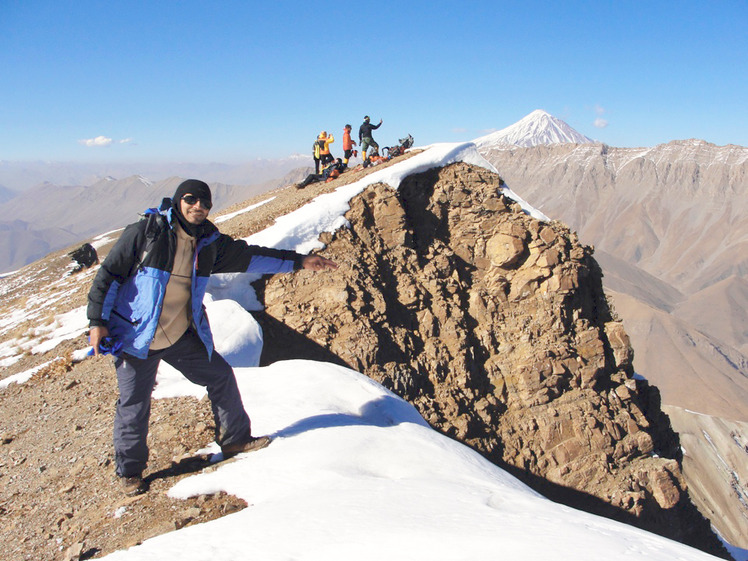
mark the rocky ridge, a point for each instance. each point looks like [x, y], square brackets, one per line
[669, 227]
[497, 328]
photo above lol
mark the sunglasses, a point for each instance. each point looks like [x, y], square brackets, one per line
[192, 200]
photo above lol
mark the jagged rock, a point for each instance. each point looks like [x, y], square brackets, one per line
[73, 553]
[496, 327]
[504, 250]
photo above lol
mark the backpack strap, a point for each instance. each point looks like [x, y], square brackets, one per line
[154, 226]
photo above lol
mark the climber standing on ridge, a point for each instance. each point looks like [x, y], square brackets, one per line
[316, 148]
[348, 145]
[364, 136]
[146, 305]
[321, 150]
[324, 140]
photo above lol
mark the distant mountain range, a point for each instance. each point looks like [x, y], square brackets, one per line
[49, 217]
[20, 176]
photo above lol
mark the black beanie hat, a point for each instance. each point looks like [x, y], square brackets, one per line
[193, 187]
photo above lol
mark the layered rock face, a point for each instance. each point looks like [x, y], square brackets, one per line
[496, 327]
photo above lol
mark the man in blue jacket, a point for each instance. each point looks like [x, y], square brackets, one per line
[146, 305]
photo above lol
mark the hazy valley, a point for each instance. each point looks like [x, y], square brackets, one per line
[49, 216]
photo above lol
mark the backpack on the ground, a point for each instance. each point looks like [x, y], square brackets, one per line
[84, 256]
[399, 150]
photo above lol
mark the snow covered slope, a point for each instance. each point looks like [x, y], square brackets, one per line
[356, 473]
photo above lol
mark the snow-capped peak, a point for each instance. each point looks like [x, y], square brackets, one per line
[536, 128]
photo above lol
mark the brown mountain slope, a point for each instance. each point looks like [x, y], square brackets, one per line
[58, 495]
[678, 210]
[713, 310]
[670, 224]
[714, 462]
[692, 384]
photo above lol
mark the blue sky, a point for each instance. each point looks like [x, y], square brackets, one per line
[232, 81]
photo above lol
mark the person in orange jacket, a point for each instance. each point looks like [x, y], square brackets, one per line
[348, 145]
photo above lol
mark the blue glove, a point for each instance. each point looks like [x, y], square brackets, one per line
[107, 346]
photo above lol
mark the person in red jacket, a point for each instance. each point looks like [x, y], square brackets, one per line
[348, 145]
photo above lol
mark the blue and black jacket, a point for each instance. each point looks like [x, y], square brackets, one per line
[128, 291]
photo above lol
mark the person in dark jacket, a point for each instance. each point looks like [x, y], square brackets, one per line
[330, 172]
[146, 305]
[365, 139]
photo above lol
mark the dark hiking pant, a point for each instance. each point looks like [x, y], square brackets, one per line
[368, 142]
[136, 378]
[311, 178]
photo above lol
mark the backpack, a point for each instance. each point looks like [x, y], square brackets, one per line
[333, 170]
[317, 147]
[399, 150]
[84, 256]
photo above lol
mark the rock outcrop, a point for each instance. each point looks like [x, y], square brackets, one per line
[496, 327]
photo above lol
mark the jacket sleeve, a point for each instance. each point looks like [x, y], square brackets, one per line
[237, 256]
[115, 270]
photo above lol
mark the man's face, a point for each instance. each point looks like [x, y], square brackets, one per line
[196, 213]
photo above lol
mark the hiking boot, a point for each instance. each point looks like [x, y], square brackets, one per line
[250, 446]
[134, 485]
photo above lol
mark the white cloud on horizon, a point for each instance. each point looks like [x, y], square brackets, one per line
[102, 141]
[95, 142]
[600, 123]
